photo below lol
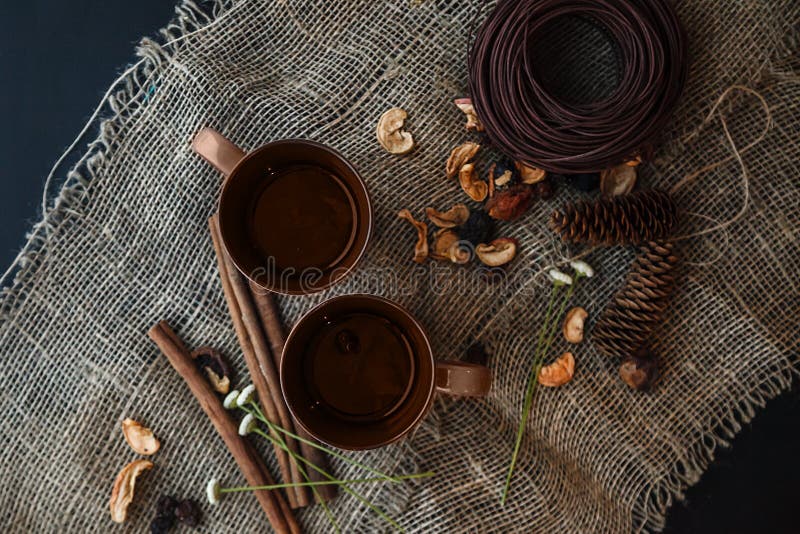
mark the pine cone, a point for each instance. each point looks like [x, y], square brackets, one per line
[627, 219]
[636, 309]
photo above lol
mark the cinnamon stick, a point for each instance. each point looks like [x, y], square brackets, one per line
[278, 512]
[259, 364]
[273, 326]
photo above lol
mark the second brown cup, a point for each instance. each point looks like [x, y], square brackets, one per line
[294, 215]
[358, 372]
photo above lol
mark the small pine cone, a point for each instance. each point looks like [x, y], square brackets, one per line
[635, 311]
[627, 219]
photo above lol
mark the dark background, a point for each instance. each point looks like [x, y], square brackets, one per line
[58, 57]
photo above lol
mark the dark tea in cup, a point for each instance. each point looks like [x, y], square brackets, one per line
[294, 215]
[358, 372]
[303, 216]
[359, 367]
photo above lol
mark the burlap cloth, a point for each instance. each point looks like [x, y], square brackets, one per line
[125, 244]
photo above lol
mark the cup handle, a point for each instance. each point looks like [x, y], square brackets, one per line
[217, 150]
[463, 379]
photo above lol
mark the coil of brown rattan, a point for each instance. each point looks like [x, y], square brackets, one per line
[528, 123]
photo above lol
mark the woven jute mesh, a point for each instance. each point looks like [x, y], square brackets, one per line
[125, 243]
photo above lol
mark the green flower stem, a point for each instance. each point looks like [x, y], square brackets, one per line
[320, 483]
[526, 408]
[331, 452]
[538, 360]
[282, 443]
[327, 475]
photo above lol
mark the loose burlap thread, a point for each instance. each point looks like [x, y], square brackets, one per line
[125, 243]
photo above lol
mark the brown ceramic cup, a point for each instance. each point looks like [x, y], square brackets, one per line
[246, 174]
[346, 409]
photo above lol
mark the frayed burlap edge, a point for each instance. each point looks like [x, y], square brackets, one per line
[650, 511]
[128, 96]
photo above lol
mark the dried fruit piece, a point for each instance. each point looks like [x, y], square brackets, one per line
[473, 186]
[510, 204]
[391, 135]
[442, 241]
[640, 371]
[460, 254]
[498, 252]
[559, 372]
[635, 161]
[460, 155]
[530, 175]
[503, 174]
[473, 122]
[421, 247]
[455, 216]
[124, 486]
[618, 180]
[139, 437]
[573, 324]
[216, 369]
[446, 246]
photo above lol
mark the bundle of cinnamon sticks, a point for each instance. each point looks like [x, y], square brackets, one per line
[251, 465]
[258, 326]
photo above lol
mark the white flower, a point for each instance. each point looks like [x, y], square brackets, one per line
[247, 425]
[230, 400]
[560, 278]
[582, 268]
[212, 491]
[246, 395]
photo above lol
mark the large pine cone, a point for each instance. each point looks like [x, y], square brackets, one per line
[628, 219]
[636, 309]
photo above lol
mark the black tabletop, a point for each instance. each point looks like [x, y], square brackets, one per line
[58, 58]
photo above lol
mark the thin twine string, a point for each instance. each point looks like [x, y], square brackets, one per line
[737, 154]
[103, 101]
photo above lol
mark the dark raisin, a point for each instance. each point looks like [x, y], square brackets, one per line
[215, 361]
[477, 229]
[188, 513]
[162, 524]
[166, 505]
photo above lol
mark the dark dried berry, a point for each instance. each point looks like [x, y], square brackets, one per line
[640, 371]
[347, 342]
[208, 357]
[586, 181]
[162, 524]
[166, 505]
[189, 513]
[476, 354]
[544, 189]
[477, 229]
